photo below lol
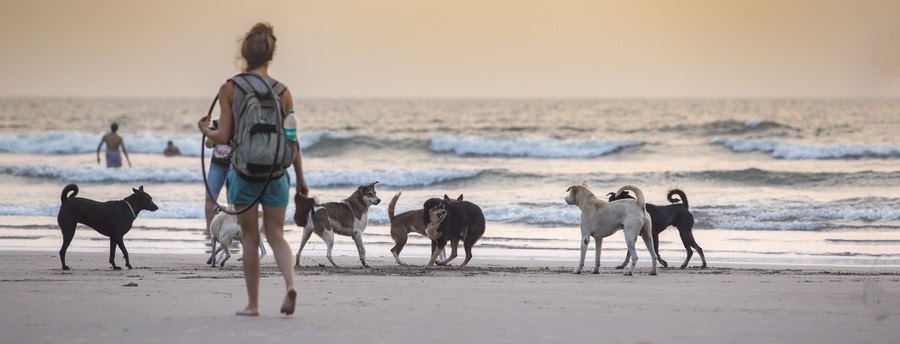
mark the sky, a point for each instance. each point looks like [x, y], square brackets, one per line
[457, 48]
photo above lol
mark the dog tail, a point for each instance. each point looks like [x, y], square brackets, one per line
[69, 188]
[680, 194]
[392, 205]
[637, 192]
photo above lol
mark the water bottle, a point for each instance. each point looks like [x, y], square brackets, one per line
[290, 126]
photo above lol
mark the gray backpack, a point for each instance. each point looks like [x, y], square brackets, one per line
[258, 142]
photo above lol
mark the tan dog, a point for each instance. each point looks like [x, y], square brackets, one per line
[348, 217]
[600, 219]
[408, 222]
[223, 229]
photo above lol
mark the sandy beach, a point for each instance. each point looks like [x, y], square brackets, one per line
[176, 298]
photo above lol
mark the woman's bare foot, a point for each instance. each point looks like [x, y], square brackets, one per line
[290, 301]
[248, 312]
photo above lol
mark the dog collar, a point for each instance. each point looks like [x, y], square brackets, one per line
[130, 208]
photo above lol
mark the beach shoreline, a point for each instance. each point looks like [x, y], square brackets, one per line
[176, 298]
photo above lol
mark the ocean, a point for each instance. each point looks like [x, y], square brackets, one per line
[781, 181]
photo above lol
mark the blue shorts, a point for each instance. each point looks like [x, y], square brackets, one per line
[242, 192]
[216, 179]
[113, 158]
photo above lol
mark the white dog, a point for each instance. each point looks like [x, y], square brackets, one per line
[223, 229]
[600, 219]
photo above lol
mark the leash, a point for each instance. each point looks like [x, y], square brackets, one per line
[130, 208]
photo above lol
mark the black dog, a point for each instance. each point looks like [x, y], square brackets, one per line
[459, 220]
[112, 219]
[675, 214]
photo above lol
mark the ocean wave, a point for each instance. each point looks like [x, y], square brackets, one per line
[754, 176]
[803, 151]
[801, 216]
[321, 179]
[527, 147]
[63, 142]
[731, 127]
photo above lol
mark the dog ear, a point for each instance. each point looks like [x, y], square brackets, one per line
[460, 198]
[373, 184]
[570, 188]
[446, 199]
[584, 183]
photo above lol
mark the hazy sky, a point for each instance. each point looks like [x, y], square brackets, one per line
[458, 48]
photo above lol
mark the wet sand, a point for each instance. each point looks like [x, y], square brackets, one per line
[176, 298]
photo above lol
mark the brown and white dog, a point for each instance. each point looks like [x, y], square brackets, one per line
[405, 223]
[600, 219]
[348, 217]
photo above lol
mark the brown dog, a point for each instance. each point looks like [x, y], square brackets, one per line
[405, 223]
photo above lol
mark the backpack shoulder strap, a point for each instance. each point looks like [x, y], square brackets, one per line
[243, 84]
[278, 87]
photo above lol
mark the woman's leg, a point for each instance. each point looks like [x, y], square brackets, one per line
[273, 223]
[250, 246]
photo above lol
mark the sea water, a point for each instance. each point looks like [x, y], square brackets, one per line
[783, 181]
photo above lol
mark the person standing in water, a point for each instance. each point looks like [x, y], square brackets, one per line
[257, 49]
[113, 142]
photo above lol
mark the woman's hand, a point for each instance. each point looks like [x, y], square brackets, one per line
[302, 187]
[204, 124]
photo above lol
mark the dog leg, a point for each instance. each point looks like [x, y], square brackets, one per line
[227, 256]
[212, 252]
[262, 249]
[112, 253]
[307, 232]
[399, 235]
[656, 248]
[627, 258]
[434, 255]
[453, 246]
[217, 255]
[328, 236]
[121, 243]
[468, 247]
[357, 238]
[687, 239]
[68, 234]
[584, 244]
[648, 241]
[630, 239]
[598, 243]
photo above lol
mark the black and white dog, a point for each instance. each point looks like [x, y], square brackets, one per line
[111, 218]
[675, 214]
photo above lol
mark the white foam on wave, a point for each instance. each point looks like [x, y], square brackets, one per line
[803, 151]
[63, 142]
[97, 174]
[397, 178]
[556, 215]
[528, 147]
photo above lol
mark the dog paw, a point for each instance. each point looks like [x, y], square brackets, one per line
[620, 267]
[128, 266]
[577, 271]
[703, 266]
[66, 267]
[117, 268]
[627, 273]
[653, 273]
[595, 272]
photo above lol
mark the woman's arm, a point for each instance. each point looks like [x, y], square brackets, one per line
[302, 187]
[226, 121]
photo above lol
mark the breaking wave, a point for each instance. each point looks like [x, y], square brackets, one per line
[528, 147]
[804, 151]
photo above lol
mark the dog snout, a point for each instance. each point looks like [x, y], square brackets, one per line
[377, 200]
[568, 199]
[153, 207]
